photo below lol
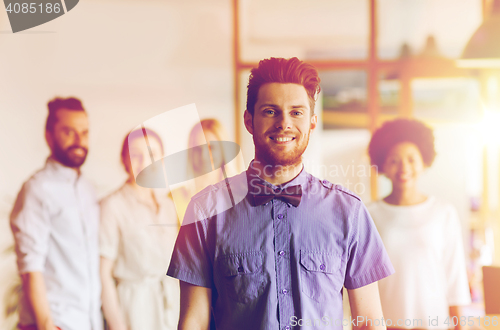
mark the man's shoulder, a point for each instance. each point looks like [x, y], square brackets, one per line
[45, 182]
[33, 189]
[335, 188]
[42, 176]
[36, 181]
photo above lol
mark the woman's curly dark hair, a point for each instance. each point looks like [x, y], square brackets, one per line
[397, 131]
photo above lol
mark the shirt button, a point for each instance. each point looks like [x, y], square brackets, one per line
[281, 253]
[322, 267]
[284, 291]
[325, 181]
[240, 269]
[287, 327]
[280, 216]
[277, 190]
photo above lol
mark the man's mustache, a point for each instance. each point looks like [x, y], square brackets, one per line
[281, 132]
[77, 147]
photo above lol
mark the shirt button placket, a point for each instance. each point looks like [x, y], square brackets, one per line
[283, 267]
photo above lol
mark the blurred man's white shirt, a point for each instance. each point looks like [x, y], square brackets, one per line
[55, 222]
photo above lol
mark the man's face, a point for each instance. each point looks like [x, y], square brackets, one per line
[69, 139]
[281, 124]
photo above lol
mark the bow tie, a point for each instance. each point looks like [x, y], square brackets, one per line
[263, 194]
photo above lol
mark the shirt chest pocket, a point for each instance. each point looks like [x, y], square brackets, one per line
[242, 276]
[321, 275]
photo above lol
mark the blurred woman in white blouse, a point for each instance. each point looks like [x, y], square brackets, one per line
[421, 233]
[137, 234]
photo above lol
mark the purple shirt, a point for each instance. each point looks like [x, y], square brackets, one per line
[275, 266]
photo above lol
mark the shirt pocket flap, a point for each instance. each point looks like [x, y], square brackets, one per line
[320, 262]
[240, 264]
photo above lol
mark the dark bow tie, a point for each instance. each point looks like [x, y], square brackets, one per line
[263, 194]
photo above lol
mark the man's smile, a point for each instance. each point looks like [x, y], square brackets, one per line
[282, 139]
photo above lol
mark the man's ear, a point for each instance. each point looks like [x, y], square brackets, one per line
[314, 121]
[248, 119]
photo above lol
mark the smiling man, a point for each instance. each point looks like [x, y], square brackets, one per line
[279, 258]
[55, 222]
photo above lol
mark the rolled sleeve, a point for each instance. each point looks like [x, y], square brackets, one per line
[30, 224]
[368, 260]
[191, 261]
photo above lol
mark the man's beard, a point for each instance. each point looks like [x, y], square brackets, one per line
[275, 158]
[66, 158]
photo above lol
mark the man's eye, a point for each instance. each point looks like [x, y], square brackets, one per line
[269, 111]
[297, 113]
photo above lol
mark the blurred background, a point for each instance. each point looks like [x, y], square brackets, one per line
[130, 60]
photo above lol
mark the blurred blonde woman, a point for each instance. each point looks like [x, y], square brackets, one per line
[138, 230]
[198, 158]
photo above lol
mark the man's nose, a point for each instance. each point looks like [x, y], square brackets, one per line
[77, 139]
[284, 122]
[81, 139]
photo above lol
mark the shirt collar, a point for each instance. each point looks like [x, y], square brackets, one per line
[66, 173]
[253, 174]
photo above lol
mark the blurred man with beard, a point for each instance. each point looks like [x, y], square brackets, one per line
[55, 223]
[279, 258]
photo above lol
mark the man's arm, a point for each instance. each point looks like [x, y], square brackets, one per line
[35, 290]
[30, 224]
[366, 308]
[195, 307]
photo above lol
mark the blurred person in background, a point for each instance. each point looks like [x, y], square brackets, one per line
[199, 158]
[55, 223]
[421, 233]
[138, 230]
